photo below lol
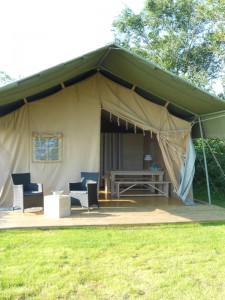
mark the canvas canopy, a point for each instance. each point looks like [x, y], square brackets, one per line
[71, 98]
[146, 78]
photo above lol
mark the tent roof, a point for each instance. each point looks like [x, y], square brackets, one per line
[123, 66]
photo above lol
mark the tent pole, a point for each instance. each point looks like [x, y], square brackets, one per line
[205, 161]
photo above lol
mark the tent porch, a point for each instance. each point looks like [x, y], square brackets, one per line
[133, 212]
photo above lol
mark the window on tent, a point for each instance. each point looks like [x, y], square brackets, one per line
[47, 147]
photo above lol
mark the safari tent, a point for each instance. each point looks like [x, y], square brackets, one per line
[88, 113]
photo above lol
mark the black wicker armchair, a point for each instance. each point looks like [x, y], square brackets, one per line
[26, 194]
[85, 192]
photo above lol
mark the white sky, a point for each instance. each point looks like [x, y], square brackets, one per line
[36, 35]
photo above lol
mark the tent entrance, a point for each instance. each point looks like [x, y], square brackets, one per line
[124, 147]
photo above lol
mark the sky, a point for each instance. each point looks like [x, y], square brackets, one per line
[37, 35]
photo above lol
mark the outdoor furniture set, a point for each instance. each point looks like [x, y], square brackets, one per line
[85, 192]
[30, 195]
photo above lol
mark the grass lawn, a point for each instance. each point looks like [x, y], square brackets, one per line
[155, 262]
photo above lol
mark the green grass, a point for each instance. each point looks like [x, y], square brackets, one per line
[155, 262]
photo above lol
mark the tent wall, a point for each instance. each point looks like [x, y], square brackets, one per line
[213, 126]
[73, 113]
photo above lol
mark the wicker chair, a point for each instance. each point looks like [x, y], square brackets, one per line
[85, 192]
[26, 194]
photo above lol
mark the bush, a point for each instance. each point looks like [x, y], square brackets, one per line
[215, 155]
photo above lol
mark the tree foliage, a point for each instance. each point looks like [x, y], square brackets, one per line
[5, 78]
[185, 37]
[215, 155]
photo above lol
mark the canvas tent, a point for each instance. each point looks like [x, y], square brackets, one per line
[65, 103]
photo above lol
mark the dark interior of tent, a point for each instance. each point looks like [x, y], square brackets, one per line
[124, 146]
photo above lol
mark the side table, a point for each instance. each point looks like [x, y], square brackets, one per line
[57, 206]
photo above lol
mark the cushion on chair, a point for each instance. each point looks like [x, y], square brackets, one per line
[75, 202]
[87, 177]
[75, 186]
[30, 187]
[30, 193]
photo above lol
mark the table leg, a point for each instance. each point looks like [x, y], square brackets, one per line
[112, 187]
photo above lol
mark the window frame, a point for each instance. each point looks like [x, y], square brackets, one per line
[46, 148]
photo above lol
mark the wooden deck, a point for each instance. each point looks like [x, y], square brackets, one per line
[125, 211]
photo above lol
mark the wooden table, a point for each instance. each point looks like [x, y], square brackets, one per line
[113, 175]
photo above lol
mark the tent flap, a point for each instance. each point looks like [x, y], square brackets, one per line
[187, 175]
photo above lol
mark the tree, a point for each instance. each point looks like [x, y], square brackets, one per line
[185, 37]
[5, 78]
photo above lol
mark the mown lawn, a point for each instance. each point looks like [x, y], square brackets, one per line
[155, 262]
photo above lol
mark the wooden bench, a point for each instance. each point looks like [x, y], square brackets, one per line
[130, 178]
[148, 188]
